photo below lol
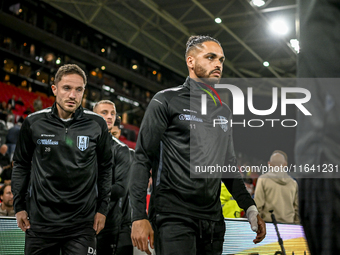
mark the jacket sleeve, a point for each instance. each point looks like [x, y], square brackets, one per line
[119, 188]
[233, 181]
[104, 181]
[259, 196]
[296, 205]
[21, 172]
[153, 126]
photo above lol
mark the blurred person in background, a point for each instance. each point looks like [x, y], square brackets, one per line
[6, 174]
[277, 191]
[3, 106]
[20, 102]
[107, 239]
[5, 160]
[37, 104]
[12, 137]
[124, 245]
[6, 196]
[116, 129]
[230, 207]
[12, 102]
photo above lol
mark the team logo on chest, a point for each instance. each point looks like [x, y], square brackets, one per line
[82, 142]
[223, 122]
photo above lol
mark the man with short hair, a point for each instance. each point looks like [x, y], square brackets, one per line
[5, 160]
[107, 239]
[185, 212]
[277, 191]
[6, 196]
[124, 246]
[63, 165]
[116, 131]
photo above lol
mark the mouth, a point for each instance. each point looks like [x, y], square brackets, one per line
[216, 73]
[71, 103]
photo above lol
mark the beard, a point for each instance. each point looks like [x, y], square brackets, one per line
[8, 204]
[62, 105]
[204, 75]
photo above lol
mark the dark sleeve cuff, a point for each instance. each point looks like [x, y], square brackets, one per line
[103, 208]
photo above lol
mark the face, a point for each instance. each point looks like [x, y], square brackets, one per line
[108, 112]
[206, 61]
[115, 131]
[7, 197]
[69, 92]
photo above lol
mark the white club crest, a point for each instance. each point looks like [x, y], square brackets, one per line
[82, 142]
[223, 123]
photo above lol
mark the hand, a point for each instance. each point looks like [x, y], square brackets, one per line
[261, 231]
[99, 222]
[22, 220]
[252, 213]
[141, 230]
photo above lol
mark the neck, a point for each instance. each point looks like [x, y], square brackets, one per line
[62, 113]
[7, 208]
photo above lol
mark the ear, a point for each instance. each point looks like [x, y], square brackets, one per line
[54, 89]
[190, 62]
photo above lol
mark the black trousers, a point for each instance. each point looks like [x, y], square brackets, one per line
[320, 214]
[82, 244]
[124, 245]
[107, 241]
[181, 235]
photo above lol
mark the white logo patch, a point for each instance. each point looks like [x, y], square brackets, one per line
[223, 123]
[47, 142]
[82, 142]
[189, 117]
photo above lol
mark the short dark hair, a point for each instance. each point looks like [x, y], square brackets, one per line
[118, 121]
[69, 69]
[197, 40]
[2, 189]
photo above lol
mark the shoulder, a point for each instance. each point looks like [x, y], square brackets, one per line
[167, 94]
[37, 115]
[262, 177]
[94, 117]
[121, 148]
[119, 143]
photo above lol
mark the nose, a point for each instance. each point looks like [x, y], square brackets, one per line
[218, 64]
[72, 94]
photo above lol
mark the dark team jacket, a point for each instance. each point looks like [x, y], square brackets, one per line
[120, 173]
[62, 168]
[173, 139]
[126, 207]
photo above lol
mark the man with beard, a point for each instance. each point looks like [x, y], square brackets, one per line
[107, 239]
[185, 213]
[63, 167]
[6, 196]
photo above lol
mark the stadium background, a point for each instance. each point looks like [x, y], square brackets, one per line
[132, 49]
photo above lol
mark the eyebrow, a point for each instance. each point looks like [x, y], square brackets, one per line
[213, 54]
